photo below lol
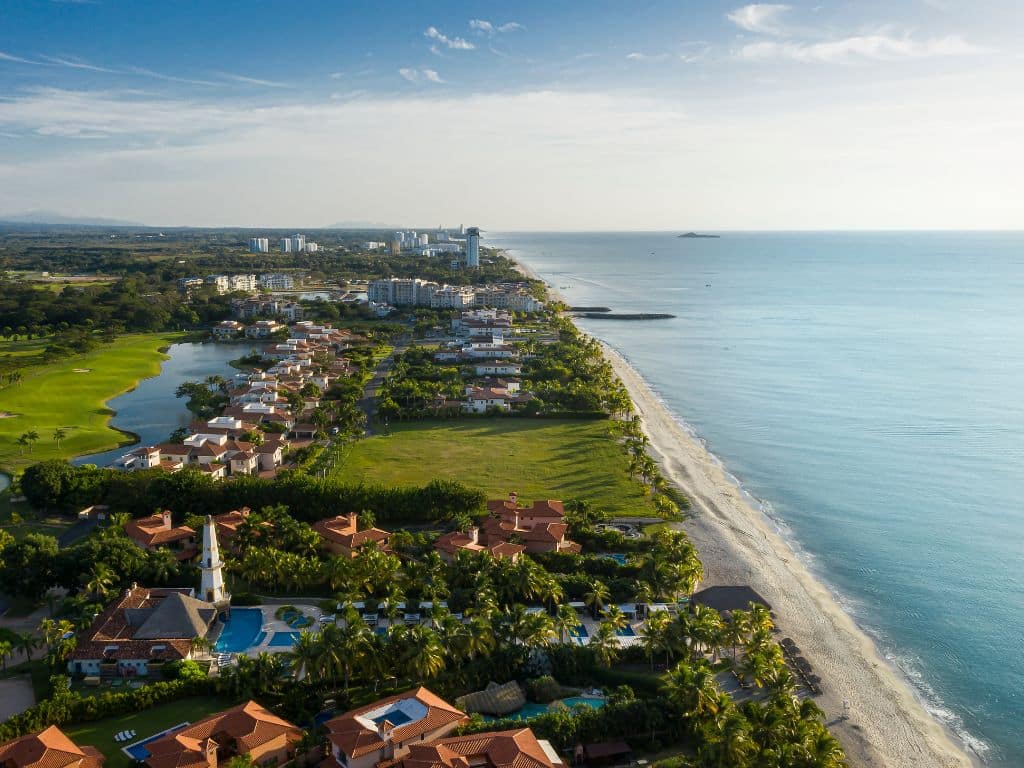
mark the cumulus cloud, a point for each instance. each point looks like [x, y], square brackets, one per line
[485, 27]
[871, 47]
[455, 43]
[762, 18]
[416, 75]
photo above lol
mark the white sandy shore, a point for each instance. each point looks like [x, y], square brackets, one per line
[888, 725]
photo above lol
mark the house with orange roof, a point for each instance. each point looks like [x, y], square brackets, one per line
[49, 748]
[248, 729]
[140, 631]
[540, 527]
[384, 731]
[341, 535]
[158, 531]
[228, 523]
[450, 544]
[497, 749]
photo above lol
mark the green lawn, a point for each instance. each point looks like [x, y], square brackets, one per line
[100, 734]
[58, 395]
[538, 458]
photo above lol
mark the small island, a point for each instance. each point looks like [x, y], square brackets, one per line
[696, 234]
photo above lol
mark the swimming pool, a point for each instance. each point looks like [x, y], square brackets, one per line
[626, 631]
[138, 751]
[579, 632]
[240, 630]
[618, 557]
[531, 710]
[283, 639]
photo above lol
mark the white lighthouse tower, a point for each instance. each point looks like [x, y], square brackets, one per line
[212, 583]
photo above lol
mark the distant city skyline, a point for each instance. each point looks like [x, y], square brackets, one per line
[575, 116]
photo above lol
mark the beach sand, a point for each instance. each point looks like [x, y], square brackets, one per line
[888, 725]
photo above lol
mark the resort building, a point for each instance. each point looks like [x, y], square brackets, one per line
[502, 395]
[159, 532]
[386, 729]
[497, 749]
[450, 544]
[140, 631]
[540, 528]
[341, 536]
[248, 729]
[227, 329]
[49, 748]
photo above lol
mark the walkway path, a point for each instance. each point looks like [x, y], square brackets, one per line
[368, 402]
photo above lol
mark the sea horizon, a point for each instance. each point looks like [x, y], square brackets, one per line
[587, 272]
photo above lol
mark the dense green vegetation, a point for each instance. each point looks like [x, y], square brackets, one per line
[59, 409]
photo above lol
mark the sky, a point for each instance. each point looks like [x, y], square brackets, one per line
[532, 115]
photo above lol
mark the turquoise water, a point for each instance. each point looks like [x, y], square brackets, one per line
[151, 410]
[283, 639]
[530, 709]
[870, 389]
[240, 631]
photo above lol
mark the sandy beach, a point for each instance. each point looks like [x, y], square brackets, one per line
[887, 726]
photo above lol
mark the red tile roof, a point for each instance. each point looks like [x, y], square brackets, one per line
[49, 748]
[342, 530]
[153, 530]
[497, 749]
[239, 730]
[354, 738]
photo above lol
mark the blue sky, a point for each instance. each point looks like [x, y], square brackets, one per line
[551, 114]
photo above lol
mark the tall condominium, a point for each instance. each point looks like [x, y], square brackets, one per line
[286, 244]
[473, 247]
[259, 245]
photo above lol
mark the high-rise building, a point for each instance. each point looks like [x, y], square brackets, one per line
[423, 239]
[299, 243]
[286, 245]
[259, 245]
[396, 247]
[473, 247]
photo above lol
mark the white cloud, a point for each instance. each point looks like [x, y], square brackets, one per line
[637, 56]
[252, 80]
[415, 75]
[76, 63]
[17, 59]
[485, 27]
[170, 78]
[872, 47]
[762, 18]
[455, 43]
[336, 75]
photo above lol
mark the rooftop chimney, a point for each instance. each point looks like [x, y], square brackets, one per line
[166, 516]
[514, 498]
[474, 535]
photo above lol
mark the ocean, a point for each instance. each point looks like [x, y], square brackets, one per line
[868, 390]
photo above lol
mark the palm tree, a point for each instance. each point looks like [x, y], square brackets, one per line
[480, 640]
[566, 621]
[614, 616]
[6, 651]
[31, 436]
[59, 434]
[424, 656]
[596, 597]
[27, 643]
[200, 645]
[705, 629]
[692, 689]
[99, 582]
[605, 644]
[656, 635]
[305, 654]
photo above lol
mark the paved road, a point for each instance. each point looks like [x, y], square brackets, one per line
[368, 402]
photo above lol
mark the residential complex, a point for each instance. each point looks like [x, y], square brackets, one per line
[49, 748]
[407, 292]
[259, 245]
[277, 281]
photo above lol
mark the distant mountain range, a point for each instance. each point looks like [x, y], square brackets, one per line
[51, 217]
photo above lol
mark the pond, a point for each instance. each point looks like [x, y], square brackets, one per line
[151, 410]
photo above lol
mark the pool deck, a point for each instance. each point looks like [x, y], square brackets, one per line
[272, 625]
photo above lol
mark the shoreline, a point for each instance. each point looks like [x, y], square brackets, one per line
[888, 723]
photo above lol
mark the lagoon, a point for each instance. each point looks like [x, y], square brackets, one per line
[151, 411]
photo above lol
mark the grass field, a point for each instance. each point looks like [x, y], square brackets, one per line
[71, 394]
[538, 458]
[100, 734]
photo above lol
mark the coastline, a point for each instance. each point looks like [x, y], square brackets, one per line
[888, 724]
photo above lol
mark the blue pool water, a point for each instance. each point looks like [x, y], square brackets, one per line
[283, 639]
[579, 632]
[138, 750]
[869, 387]
[240, 630]
[618, 557]
[531, 710]
[626, 631]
